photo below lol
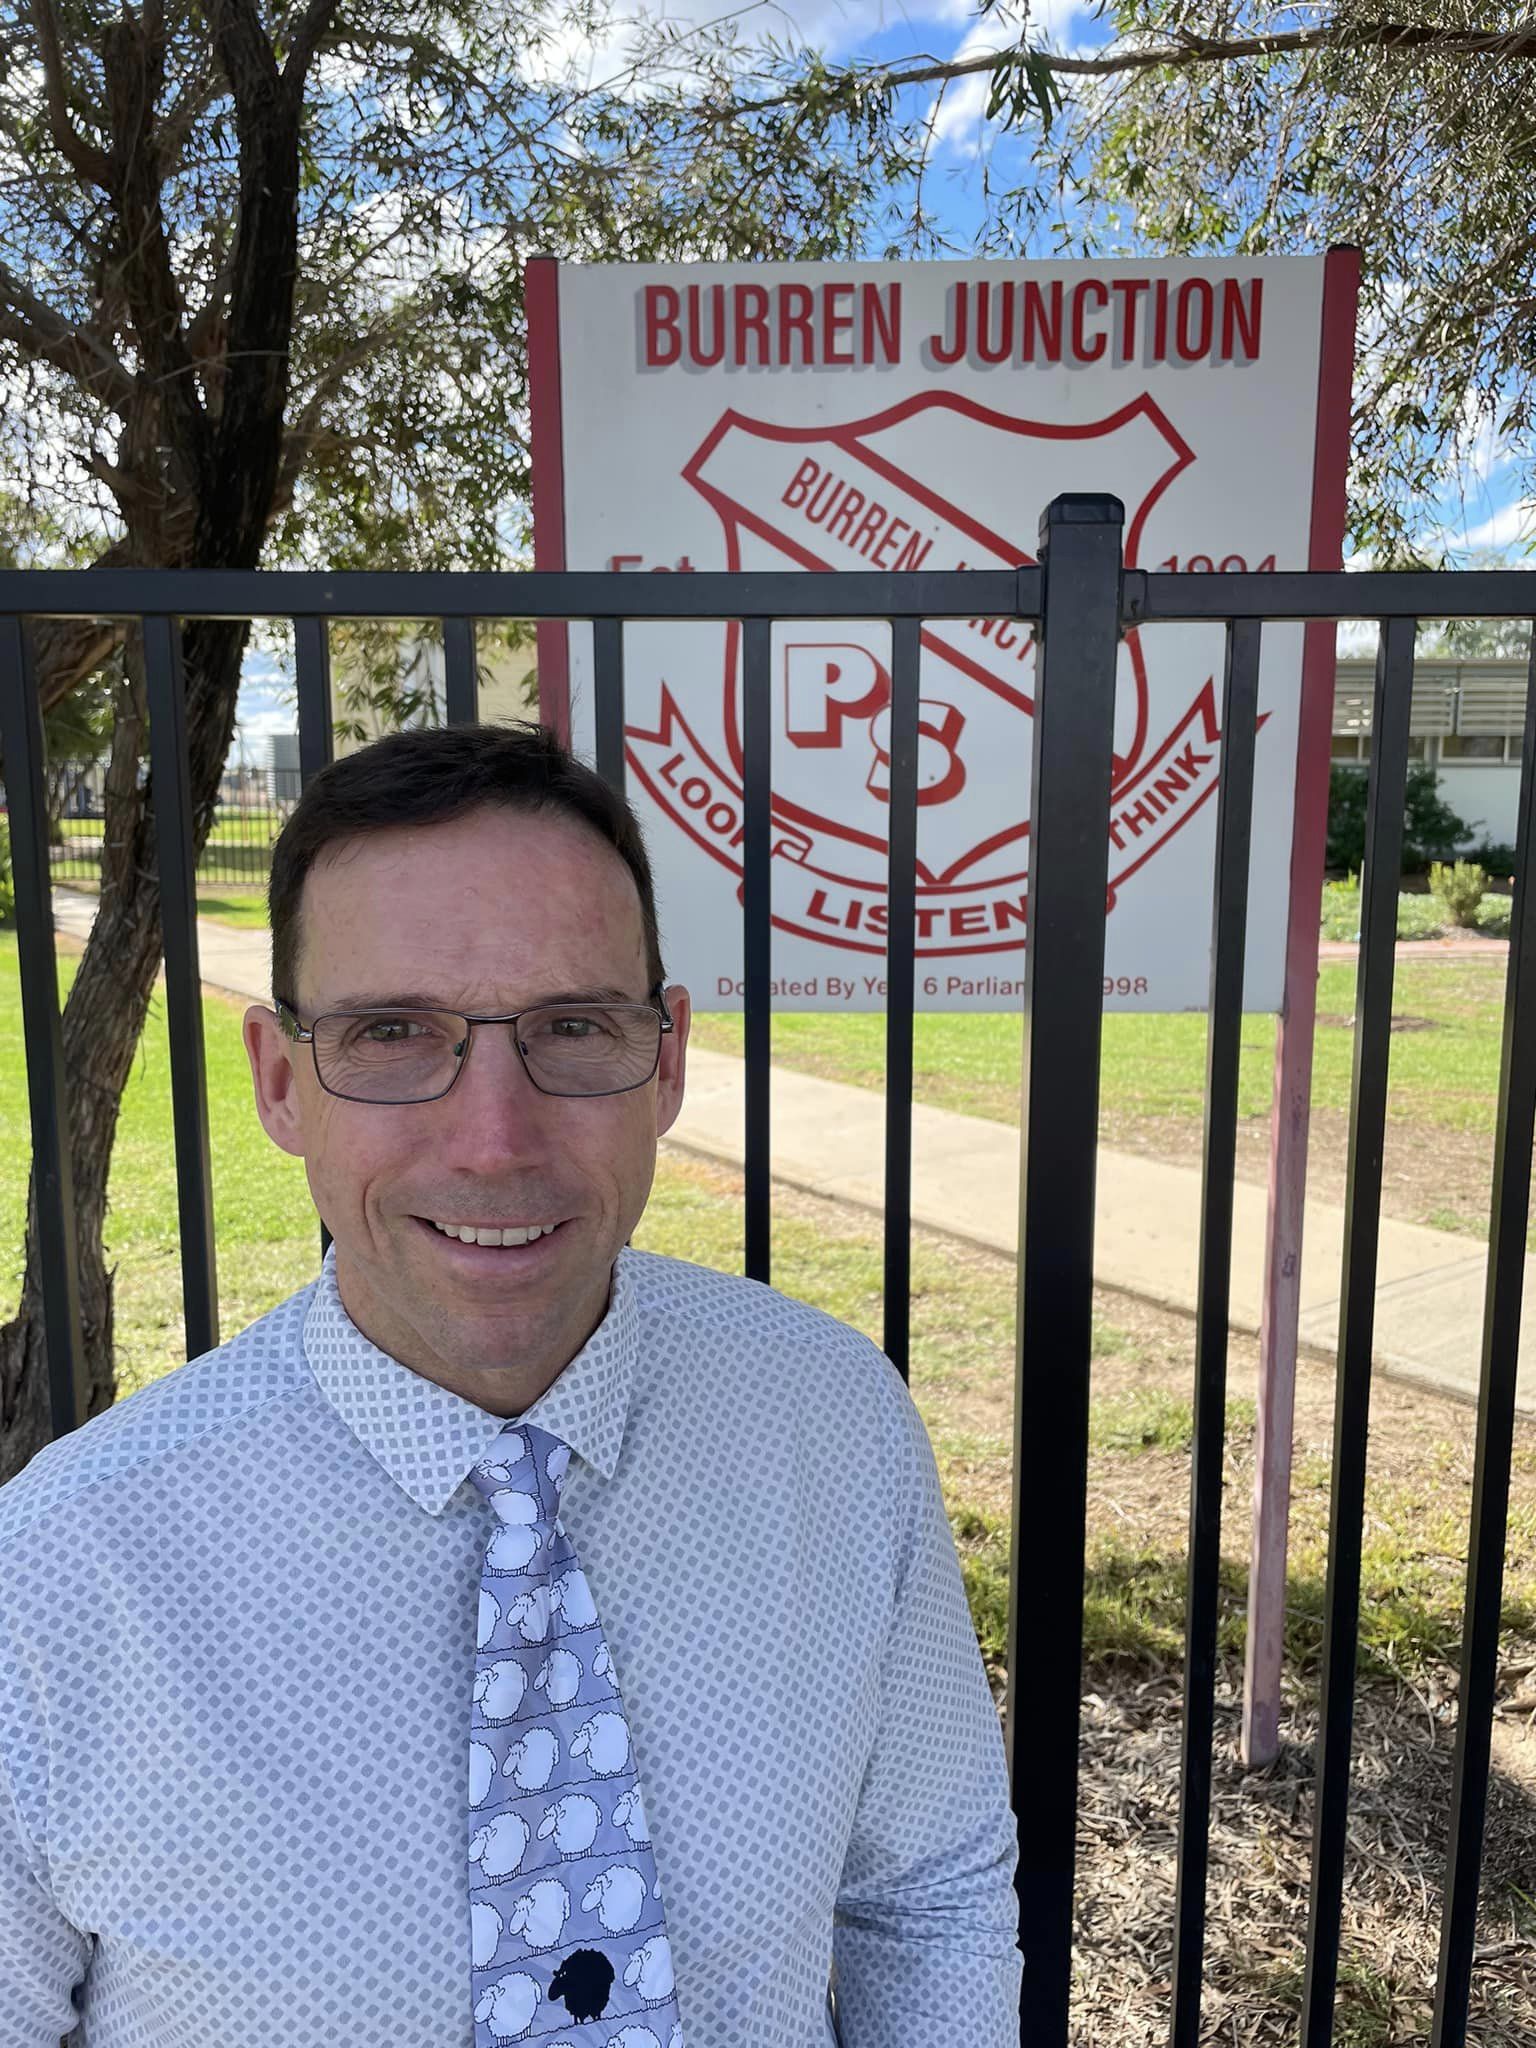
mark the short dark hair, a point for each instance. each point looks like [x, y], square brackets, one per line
[434, 774]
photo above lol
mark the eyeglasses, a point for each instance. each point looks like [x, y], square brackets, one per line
[415, 1055]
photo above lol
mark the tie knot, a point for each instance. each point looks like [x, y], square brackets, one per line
[523, 1473]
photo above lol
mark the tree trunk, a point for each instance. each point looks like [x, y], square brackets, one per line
[104, 1016]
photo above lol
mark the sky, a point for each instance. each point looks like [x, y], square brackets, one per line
[1479, 507]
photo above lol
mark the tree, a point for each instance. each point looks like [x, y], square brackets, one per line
[260, 301]
[1213, 126]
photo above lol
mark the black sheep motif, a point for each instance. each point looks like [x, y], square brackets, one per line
[583, 1982]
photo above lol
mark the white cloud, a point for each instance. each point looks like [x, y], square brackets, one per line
[959, 119]
[833, 28]
[1512, 526]
[253, 727]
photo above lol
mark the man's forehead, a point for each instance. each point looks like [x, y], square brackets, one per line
[491, 894]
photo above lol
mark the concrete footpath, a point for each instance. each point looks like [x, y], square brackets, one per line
[829, 1139]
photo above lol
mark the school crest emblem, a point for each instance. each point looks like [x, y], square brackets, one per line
[860, 495]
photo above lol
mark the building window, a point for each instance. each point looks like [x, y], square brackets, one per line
[1356, 746]
[1480, 746]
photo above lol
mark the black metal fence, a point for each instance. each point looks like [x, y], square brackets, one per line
[254, 803]
[1083, 600]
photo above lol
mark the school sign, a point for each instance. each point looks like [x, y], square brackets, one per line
[833, 416]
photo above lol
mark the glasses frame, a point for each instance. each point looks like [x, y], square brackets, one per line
[288, 1023]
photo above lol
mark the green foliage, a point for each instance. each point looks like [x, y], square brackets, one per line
[1418, 917]
[1496, 858]
[7, 878]
[1431, 829]
[1460, 886]
[1492, 916]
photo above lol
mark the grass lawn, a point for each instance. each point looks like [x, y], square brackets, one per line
[244, 908]
[1155, 1065]
[238, 828]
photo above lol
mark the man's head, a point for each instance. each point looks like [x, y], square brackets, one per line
[477, 870]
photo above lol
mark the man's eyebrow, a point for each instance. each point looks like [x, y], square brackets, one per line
[415, 1000]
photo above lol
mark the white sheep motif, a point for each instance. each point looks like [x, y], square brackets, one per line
[573, 1821]
[556, 1463]
[515, 1541]
[602, 1666]
[634, 2037]
[618, 1896]
[529, 1614]
[675, 2038]
[485, 1626]
[509, 2006]
[485, 1926]
[482, 1769]
[532, 1760]
[539, 1916]
[650, 1967]
[499, 1689]
[604, 1742]
[499, 1845]
[629, 1814]
[516, 1449]
[572, 1597]
[559, 1677]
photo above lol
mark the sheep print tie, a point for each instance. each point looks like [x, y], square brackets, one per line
[567, 1936]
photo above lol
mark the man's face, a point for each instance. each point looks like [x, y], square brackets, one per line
[492, 912]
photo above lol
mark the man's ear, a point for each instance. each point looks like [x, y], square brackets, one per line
[674, 1054]
[270, 1052]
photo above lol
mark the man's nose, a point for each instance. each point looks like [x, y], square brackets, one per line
[495, 1108]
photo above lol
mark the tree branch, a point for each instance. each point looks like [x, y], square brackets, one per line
[92, 164]
[134, 71]
[1391, 39]
[312, 25]
[39, 331]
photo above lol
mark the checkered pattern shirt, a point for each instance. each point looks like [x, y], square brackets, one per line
[237, 1639]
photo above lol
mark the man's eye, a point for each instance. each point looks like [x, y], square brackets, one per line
[574, 1027]
[391, 1030]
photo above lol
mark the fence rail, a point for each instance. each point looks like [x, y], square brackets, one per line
[1083, 600]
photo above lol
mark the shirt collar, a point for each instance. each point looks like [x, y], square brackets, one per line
[426, 1437]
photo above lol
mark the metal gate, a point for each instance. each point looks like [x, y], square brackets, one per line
[1082, 600]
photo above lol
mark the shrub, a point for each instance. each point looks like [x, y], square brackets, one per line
[1460, 887]
[7, 879]
[1418, 917]
[1431, 829]
[1492, 916]
[1495, 857]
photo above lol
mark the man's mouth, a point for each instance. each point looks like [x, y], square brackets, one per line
[497, 1235]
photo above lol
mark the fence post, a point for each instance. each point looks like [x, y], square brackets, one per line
[53, 1182]
[1063, 1005]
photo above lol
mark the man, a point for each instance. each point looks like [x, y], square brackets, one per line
[654, 1557]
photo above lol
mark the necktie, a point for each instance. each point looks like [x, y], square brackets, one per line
[567, 1936]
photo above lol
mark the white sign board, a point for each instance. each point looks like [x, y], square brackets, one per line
[893, 416]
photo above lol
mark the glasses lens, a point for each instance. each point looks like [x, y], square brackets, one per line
[591, 1048]
[389, 1055]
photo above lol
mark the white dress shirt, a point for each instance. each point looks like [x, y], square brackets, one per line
[237, 1641]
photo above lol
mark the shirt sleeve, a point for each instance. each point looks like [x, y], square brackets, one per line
[925, 1935]
[43, 1955]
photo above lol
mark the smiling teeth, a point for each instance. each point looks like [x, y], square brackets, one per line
[470, 1233]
